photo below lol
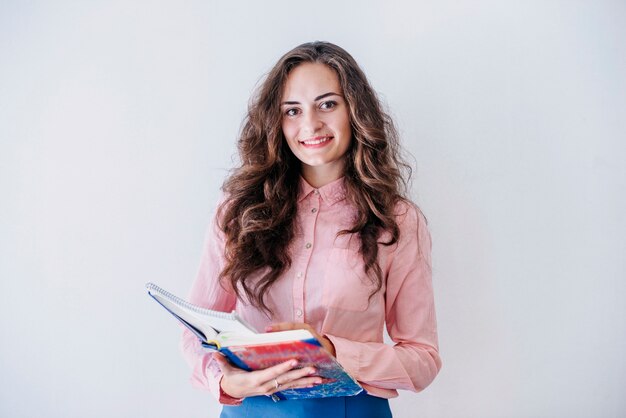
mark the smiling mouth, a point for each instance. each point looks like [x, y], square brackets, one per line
[317, 140]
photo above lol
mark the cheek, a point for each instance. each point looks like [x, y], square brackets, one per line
[348, 129]
[344, 123]
[289, 131]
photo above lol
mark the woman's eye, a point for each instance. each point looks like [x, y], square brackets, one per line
[291, 112]
[328, 105]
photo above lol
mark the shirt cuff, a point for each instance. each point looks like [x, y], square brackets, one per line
[347, 354]
[212, 375]
[225, 398]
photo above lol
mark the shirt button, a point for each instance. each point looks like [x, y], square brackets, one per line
[316, 191]
[308, 245]
[314, 210]
[299, 275]
[298, 313]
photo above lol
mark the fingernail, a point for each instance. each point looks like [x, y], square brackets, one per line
[268, 328]
[312, 371]
[293, 363]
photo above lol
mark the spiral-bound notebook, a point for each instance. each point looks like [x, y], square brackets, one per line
[206, 324]
[248, 350]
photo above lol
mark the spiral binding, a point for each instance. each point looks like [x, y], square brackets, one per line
[194, 308]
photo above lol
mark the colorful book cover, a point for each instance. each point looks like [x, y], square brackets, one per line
[336, 382]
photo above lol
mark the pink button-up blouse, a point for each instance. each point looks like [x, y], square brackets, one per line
[326, 287]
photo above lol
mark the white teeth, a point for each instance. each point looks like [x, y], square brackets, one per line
[316, 141]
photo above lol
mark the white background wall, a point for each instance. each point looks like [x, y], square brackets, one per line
[117, 125]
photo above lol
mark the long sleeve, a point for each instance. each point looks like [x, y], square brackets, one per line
[207, 292]
[413, 361]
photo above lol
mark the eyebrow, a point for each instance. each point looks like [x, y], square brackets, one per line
[330, 93]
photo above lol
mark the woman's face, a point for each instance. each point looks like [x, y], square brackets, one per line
[316, 121]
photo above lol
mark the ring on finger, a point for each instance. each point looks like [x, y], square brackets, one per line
[276, 384]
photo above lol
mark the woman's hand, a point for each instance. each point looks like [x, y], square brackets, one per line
[286, 326]
[239, 383]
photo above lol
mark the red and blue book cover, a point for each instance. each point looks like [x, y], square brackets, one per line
[336, 382]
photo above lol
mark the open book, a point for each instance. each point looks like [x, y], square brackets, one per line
[249, 350]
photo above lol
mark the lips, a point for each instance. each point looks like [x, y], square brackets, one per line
[316, 141]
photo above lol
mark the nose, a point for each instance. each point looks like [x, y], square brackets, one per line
[311, 123]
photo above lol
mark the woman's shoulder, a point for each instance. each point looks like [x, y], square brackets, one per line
[413, 227]
[408, 213]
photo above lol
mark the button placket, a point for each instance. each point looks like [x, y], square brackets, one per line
[309, 223]
[314, 211]
[298, 297]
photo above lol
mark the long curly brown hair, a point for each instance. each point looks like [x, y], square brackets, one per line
[259, 211]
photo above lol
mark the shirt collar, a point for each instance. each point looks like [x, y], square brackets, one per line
[331, 193]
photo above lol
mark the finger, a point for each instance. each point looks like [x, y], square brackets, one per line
[271, 373]
[296, 374]
[286, 380]
[287, 326]
[304, 382]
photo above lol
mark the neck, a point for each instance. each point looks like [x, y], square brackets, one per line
[322, 175]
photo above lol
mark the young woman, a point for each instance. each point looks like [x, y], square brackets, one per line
[314, 231]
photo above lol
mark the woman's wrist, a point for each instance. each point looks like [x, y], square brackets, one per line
[330, 347]
[224, 392]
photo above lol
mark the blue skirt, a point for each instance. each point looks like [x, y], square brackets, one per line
[359, 406]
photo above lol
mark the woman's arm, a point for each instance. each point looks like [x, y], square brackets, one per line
[413, 361]
[207, 292]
